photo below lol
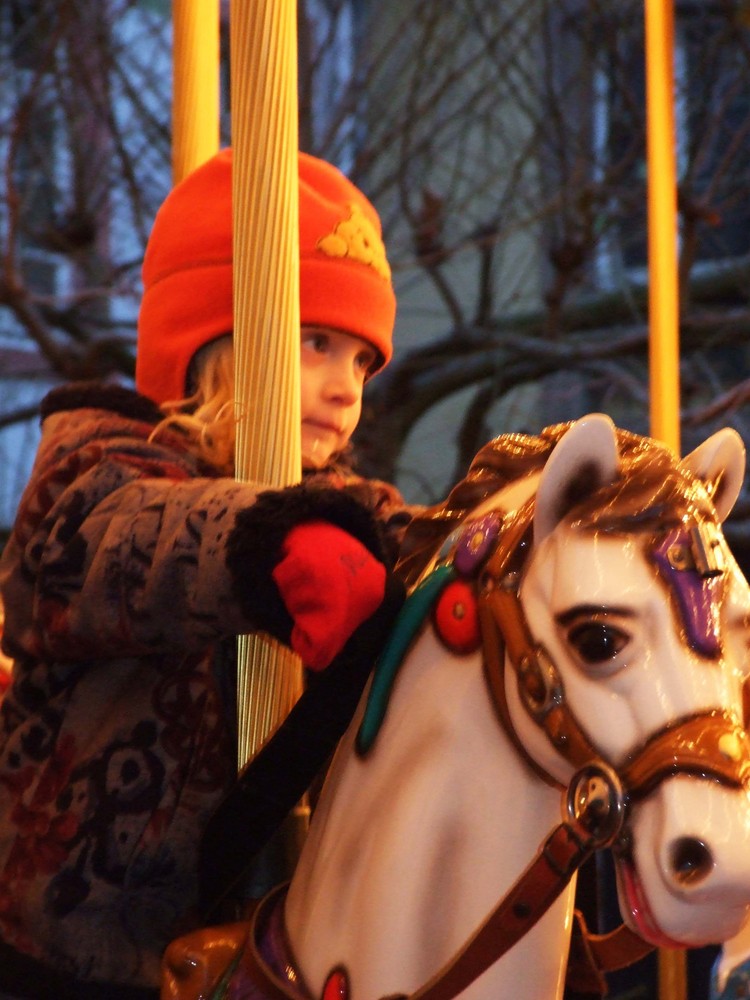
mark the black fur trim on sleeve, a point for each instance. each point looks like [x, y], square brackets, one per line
[256, 541]
[100, 396]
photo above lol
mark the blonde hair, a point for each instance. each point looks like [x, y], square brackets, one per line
[206, 417]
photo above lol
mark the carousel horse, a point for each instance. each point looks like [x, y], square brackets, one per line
[566, 674]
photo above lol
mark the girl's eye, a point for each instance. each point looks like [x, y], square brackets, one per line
[365, 361]
[597, 641]
[317, 341]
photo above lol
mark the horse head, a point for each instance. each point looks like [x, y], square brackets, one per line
[625, 635]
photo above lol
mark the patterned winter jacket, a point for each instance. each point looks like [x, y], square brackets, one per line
[129, 571]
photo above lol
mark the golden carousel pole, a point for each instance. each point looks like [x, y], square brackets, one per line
[263, 41]
[664, 348]
[195, 84]
[263, 50]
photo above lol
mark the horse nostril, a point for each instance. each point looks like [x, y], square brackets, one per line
[691, 860]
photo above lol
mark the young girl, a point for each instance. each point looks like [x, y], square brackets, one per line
[135, 561]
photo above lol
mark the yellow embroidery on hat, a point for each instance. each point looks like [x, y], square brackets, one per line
[357, 238]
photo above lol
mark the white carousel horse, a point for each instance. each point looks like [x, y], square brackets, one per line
[592, 605]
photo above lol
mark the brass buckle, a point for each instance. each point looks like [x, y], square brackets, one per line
[596, 800]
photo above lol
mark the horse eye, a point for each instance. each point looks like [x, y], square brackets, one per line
[597, 642]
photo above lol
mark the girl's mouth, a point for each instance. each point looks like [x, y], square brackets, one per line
[320, 426]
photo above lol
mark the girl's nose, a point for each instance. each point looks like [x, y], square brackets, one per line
[343, 384]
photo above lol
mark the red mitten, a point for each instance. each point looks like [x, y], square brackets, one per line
[330, 584]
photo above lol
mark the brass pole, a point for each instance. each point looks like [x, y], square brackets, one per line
[195, 84]
[664, 348]
[263, 49]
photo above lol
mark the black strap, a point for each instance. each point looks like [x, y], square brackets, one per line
[25, 977]
[282, 771]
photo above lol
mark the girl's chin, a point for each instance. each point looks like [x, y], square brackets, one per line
[319, 460]
[316, 452]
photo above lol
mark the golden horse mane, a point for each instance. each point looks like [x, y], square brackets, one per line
[652, 488]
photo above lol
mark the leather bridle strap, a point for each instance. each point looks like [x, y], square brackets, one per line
[568, 846]
[710, 745]
[591, 955]
[505, 633]
[562, 854]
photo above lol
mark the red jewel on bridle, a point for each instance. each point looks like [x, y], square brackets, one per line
[456, 619]
[455, 613]
[337, 985]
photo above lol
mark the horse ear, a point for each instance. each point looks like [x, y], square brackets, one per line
[720, 463]
[584, 459]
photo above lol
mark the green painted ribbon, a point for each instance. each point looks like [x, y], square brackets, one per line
[405, 628]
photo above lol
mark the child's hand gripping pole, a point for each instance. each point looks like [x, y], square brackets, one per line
[330, 584]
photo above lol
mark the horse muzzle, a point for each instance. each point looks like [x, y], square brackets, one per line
[688, 841]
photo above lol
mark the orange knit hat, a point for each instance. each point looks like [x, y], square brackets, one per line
[345, 280]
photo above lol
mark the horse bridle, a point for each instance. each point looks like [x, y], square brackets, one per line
[711, 745]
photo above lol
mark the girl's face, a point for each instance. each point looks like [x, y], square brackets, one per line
[333, 369]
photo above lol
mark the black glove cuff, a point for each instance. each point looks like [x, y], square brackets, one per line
[255, 545]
